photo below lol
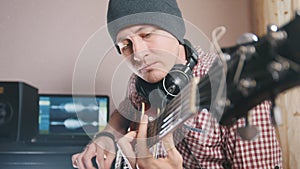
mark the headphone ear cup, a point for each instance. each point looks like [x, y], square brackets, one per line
[178, 77]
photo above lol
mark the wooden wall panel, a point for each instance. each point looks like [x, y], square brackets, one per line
[288, 131]
[280, 12]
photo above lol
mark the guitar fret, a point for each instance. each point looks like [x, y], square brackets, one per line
[168, 122]
[165, 129]
[168, 117]
[172, 117]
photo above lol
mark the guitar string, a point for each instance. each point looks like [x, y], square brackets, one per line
[160, 122]
[185, 106]
[154, 132]
[173, 105]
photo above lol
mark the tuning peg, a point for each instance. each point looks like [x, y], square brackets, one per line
[246, 50]
[275, 33]
[247, 38]
[272, 28]
[248, 132]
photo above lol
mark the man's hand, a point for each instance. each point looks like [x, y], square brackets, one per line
[104, 150]
[144, 159]
[126, 143]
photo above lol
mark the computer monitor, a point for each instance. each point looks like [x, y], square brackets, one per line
[67, 117]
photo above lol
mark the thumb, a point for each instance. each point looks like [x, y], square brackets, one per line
[126, 147]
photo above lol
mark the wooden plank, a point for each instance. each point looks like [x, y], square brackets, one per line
[280, 12]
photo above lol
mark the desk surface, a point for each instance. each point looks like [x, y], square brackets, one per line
[36, 148]
[21, 155]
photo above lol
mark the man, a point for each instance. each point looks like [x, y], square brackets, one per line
[150, 35]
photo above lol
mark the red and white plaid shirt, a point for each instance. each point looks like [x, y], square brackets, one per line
[210, 145]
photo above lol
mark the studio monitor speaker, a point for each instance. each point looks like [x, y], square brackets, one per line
[18, 111]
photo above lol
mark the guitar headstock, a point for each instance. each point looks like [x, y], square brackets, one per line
[260, 70]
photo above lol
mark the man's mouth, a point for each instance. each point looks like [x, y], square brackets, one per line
[146, 68]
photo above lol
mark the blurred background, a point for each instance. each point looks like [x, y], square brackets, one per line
[43, 43]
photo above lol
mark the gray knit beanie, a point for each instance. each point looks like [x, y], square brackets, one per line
[162, 13]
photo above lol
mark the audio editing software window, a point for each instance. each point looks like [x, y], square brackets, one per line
[72, 115]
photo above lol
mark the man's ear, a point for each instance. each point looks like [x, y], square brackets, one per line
[182, 53]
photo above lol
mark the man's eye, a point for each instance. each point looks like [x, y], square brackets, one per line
[126, 48]
[146, 35]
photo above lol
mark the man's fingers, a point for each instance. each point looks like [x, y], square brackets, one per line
[172, 153]
[108, 161]
[142, 150]
[125, 144]
[143, 127]
[100, 157]
[131, 136]
[168, 142]
[128, 138]
[105, 152]
[90, 152]
[74, 160]
[83, 160]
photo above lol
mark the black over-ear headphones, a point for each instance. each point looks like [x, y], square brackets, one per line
[160, 93]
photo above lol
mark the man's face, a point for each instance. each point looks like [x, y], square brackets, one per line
[151, 51]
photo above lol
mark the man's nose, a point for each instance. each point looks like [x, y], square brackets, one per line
[140, 48]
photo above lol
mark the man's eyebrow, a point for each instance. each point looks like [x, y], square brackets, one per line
[139, 29]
